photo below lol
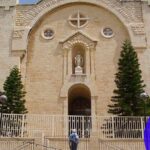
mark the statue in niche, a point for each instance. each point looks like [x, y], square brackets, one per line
[79, 64]
[78, 60]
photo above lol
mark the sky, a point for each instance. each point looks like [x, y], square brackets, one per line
[28, 1]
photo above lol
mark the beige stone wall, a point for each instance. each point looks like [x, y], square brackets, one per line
[7, 61]
[106, 58]
[44, 76]
[42, 65]
[145, 55]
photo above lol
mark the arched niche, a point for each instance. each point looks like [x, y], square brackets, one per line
[79, 100]
[78, 49]
[76, 43]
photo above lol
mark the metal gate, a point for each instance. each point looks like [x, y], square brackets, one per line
[82, 124]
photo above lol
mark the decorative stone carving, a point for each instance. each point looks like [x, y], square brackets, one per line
[78, 63]
[78, 20]
[138, 28]
[78, 60]
[79, 38]
[18, 33]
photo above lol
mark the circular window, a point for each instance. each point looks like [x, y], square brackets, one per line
[78, 20]
[48, 33]
[107, 32]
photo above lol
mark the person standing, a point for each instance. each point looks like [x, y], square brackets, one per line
[73, 140]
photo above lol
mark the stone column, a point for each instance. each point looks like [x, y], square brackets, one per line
[65, 63]
[65, 106]
[92, 62]
[66, 117]
[87, 61]
[93, 144]
[69, 62]
[93, 113]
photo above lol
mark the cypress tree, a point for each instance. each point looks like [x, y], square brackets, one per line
[129, 84]
[15, 93]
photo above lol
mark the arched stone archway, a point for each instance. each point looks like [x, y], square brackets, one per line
[79, 100]
[45, 9]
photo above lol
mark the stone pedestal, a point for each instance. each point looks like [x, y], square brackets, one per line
[78, 70]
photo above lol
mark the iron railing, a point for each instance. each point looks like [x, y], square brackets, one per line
[34, 126]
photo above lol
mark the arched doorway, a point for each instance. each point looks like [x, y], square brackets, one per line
[79, 100]
[79, 109]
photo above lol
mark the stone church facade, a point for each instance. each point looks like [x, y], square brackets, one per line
[67, 50]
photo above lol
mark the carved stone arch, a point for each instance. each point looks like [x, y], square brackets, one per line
[79, 38]
[93, 2]
[20, 44]
[80, 84]
[69, 45]
[92, 88]
[64, 95]
[79, 100]
[79, 42]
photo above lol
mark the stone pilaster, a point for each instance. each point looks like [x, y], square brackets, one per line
[92, 63]
[69, 62]
[65, 63]
[88, 66]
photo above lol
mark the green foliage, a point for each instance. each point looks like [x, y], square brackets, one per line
[147, 107]
[15, 93]
[128, 79]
